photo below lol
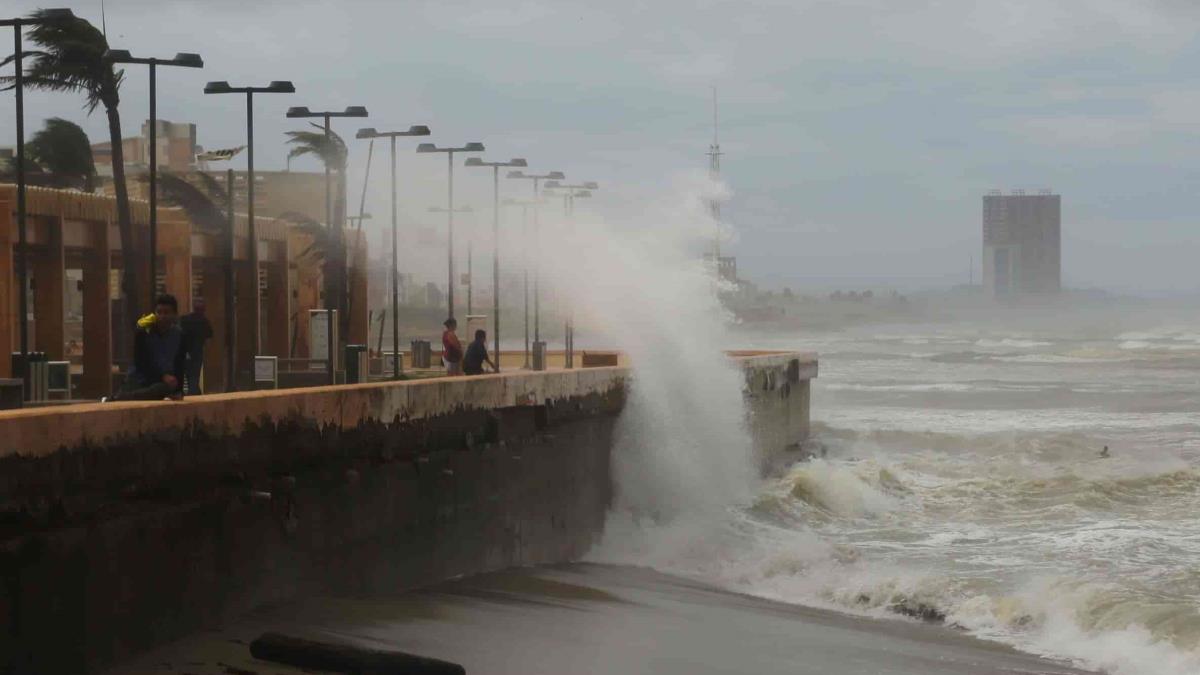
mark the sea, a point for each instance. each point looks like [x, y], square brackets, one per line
[1031, 478]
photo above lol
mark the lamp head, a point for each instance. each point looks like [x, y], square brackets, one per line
[518, 161]
[516, 174]
[368, 132]
[281, 87]
[188, 60]
[355, 111]
[551, 185]
[473, 147]
[418, 130]
[427, 147]
[556, 175]
[299, 111]
[221, 87]
[474, 161]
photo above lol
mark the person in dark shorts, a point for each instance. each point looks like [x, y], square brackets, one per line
[197, 330]
[158, 356]
[477, 355]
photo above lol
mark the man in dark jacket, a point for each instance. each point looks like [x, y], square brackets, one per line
[477, 355]
[197, 330]
[158, 356]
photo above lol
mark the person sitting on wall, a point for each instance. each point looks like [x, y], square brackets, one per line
[158, 356]
[452, 351]
[477, 355]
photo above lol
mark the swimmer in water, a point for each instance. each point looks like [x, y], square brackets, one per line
[1104, 453]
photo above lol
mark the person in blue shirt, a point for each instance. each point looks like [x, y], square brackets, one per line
[158, 356]
[477, 355]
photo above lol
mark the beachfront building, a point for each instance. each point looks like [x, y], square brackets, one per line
[1022, 243]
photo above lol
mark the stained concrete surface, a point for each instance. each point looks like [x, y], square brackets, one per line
[583, 618]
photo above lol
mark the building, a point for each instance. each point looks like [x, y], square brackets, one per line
[1022, 243]
[176, 149]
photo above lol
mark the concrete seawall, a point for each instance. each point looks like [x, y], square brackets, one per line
[123, 526]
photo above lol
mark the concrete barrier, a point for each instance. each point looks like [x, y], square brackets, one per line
[126, 525]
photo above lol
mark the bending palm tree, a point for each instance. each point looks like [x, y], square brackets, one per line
[71, 59]
[331, 150]
[61, 149]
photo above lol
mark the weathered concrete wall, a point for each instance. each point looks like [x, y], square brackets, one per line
[778, 397]
[125, 525]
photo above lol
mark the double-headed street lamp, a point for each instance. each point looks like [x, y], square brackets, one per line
[44, 16]
[537, 321]
[469, 147]
[182, 60]
[418, 130]
[581, 190]
[275, 87]
[514, 162]
[350, 111]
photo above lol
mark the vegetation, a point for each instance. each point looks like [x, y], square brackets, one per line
[70, 58]
[61, 150]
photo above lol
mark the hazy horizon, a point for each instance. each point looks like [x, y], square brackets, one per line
[858, 137]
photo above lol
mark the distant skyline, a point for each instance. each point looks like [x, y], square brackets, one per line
[858, 136]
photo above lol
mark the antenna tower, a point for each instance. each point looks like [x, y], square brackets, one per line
[714, 172]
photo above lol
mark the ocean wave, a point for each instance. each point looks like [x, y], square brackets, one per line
[1012, 343]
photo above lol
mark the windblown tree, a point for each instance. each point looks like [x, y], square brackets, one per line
[332, 153]
[62, 151]
[70, 58]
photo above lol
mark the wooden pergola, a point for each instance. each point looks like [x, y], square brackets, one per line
[67, 229]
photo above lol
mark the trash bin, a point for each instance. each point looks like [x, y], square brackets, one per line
[356, 364]
[539, 355]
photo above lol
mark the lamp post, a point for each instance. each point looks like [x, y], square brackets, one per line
[330, 303]
[470, 279]
[581, 190]
[182, 60]
[418, 130]
[537, 295]
[495, 166]
[43, 16]
[524, 204]
[469, 147]
[275, 87]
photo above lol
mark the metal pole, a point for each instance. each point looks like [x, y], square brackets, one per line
[153, 182]
[22, 272]
[525, 269]
[395, 277]
[537, 266]
[496, 262]
[230, 314]
[331, 349]
[470, 275]
[252, 237]
[450, 235]
[568, 361]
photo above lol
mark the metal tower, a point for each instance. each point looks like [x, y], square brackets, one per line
[714, 172]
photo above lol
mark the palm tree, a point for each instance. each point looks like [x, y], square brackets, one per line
[71, 59]
[61, 149]
[331, 151]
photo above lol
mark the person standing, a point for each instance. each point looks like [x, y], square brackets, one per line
[197, 330]
[452, 351]
[158, 356]
[477, 355]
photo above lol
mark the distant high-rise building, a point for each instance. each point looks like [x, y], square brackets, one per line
[1022, 243]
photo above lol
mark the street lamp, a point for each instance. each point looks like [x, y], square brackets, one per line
[418, 130]
[182, 60]
[495, 166]
[581, 191]
[537, 295]
[470, 246]
[275, 87]
[469, 147]
[524, 204]
[350, 111]
[40, 17]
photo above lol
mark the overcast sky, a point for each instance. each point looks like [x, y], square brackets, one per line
[859, 134]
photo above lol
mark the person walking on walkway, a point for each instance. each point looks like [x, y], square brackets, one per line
[477, 355]
[452, 351]
[197, 330]
[158, 356]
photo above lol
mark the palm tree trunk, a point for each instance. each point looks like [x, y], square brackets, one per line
[129, 256]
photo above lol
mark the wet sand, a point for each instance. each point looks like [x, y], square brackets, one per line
[600, 619]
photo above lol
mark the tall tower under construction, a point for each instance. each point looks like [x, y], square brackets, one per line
[726, 266]
[1022, 243]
